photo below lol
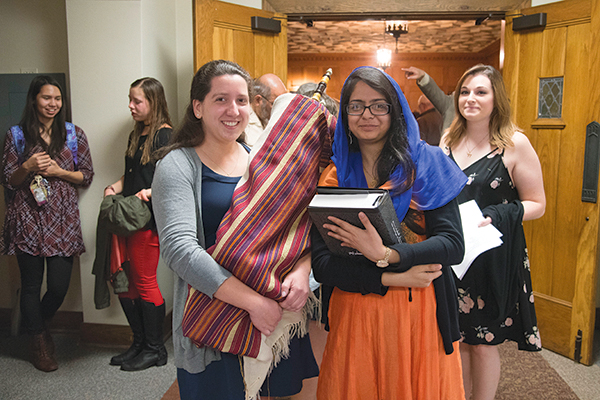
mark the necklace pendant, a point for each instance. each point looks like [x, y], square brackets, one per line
[469, 154]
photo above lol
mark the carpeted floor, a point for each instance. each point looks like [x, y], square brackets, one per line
[84, 373]
[524, 375]
[172, 393]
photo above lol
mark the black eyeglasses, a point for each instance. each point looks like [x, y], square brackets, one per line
[268, 101]
[375, 109]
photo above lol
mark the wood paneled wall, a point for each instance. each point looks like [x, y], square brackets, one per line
[445, 68]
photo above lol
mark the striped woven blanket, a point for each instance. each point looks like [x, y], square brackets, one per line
[266, 229]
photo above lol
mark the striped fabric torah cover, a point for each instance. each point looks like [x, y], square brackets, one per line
[266, 229]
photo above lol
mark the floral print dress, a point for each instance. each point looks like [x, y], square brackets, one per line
[489, 183]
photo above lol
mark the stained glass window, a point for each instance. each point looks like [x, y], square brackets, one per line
[551, 92]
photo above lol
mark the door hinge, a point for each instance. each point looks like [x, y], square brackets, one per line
[577, 355]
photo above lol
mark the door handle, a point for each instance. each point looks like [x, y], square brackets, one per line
[589, 192]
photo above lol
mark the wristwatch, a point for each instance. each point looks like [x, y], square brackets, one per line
[385, 261]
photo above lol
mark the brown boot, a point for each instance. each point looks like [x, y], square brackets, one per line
[40, 356]
[48, 338]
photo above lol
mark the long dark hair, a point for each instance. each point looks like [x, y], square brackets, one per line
[31, 125]
[190, 133]
[159, 115]
[395, 152]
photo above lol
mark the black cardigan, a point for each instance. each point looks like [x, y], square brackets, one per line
[444, 245]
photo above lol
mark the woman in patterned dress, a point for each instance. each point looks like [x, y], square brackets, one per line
[505, 179]
[43, 148]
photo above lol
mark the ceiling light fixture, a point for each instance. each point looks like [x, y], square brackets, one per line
[384, 55]
[396, 31]
[384, 58]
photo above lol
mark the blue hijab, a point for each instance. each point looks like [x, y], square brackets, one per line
[437, 181]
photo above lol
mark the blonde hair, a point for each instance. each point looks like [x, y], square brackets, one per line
[501, 126]
[159, 116]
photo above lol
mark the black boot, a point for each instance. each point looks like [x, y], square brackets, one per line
[154, 352]
[133, 312]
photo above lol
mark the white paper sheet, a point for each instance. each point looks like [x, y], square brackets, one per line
[477, 239]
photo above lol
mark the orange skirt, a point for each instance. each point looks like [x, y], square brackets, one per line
[387, 348]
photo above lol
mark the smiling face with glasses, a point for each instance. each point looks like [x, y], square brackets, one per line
[372, 126]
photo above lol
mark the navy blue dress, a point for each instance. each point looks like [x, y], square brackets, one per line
[223, 379]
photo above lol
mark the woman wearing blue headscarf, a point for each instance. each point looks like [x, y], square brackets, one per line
[392, 335]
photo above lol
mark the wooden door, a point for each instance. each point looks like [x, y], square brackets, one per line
[223, 31]
[563, 244]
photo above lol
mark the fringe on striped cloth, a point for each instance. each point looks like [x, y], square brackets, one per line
[264, 233]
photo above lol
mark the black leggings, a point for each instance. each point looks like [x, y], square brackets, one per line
[34, 311]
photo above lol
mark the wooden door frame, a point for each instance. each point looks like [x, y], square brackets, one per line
[562, 14]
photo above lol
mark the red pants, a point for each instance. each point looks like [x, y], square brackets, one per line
[143, 253]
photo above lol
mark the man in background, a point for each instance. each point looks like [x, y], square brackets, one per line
[430, 122]
[266, 89]
[443, 102]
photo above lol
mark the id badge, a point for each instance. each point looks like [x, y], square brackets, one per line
[40, 188]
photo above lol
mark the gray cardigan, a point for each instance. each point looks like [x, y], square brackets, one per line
[176, 201]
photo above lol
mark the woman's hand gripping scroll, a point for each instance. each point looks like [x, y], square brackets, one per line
[265, 313]
[295, 287]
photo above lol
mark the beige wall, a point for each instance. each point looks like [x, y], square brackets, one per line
[535, 3]
[103, 46]
[246, 3]
[33, 34]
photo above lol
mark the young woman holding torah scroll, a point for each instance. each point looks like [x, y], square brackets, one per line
[233, 227]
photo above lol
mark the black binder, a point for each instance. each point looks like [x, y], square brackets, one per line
[345, 204]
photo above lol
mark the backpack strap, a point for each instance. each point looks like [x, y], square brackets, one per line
[19, 139]
[72, 141]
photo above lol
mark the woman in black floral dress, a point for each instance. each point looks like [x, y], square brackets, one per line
[505, 179]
